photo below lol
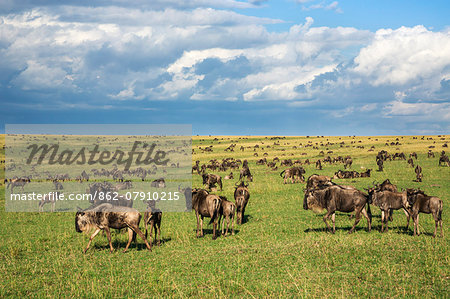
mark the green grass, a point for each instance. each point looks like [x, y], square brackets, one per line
[282, 250]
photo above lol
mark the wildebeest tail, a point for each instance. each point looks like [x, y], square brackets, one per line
[441, 207]
[216, 210]
[281, 174]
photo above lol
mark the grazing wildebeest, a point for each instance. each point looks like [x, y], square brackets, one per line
[227, 211]
[241, 197]
[18, 182]
[295, 174]
[105, 193]
[430, 154]
[444, 160]
[413, 155]
[210, 180]
[245, 172]
[152, 217]
[348, 162]
[411, 162]
[229, 177]
[106, 216]
[318, 165]
[205, 205]
[419, 174]
[388, 201]
[380, 164]
[49, 198]
[419, 202]
[342, 199]
[158, 183]
[58, 185]
[316, 181]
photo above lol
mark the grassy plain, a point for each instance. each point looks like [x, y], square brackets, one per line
[281, 250]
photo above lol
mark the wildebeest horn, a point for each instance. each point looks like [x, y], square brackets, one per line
[79, 209]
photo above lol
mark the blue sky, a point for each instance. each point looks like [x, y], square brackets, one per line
[292, 67]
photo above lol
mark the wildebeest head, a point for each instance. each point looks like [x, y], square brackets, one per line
[81, 223]
[241, 184]
[313, 200]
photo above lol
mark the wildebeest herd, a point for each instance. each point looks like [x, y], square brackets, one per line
[320, 193]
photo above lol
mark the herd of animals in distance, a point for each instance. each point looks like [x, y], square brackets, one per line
[320, 193]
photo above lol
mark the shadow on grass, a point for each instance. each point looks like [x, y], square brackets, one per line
[207, 232]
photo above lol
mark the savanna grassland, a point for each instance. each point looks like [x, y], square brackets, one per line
[281, 249]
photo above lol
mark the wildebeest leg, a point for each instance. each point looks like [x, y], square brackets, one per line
[232, 225]
[223, 223]
[436, 221]
[415, 220]
[138, 231]
[198, 223]
[440, 224]
[390, 215]
[152, 224]
[369, 222]
[108, 235]
[53, 206]
[201, 226]
[214, 229]
[382, 221]
[325, 220]
[407, 218]
[417, 217]
[92, 237]
[333, 220]
[159, 233]
[130, 238]
[357, 219]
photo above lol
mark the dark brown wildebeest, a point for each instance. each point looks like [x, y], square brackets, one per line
[152, 218]
[245, 172]
[411, 162]
[342, 199]
[348, 162]
[205, 205]
[229, 177]
[227, 211]
[444, 160]
[366, 174]
[318, 165]
[295, 174]
[105, 193]
[413, 155]
[50, 198]
[419, 174]
[380, 164]
[241, 197]
[18, 182]
[419, 202]
[388, 201]
[58, 185]
[210, 180]
[430, 154]
[158, 183]
[346, 174]
[316, 181]
[106, 216]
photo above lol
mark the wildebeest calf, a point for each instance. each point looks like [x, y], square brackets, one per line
[388, 201]
[241, 197]
[106, 216]
[227, 211]
[152, 217]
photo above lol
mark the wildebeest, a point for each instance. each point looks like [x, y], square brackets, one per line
[227, 211]
[245, 173]
[388, 201]
[443, 160]
[419, 174]
[348, 162]
[380, 164]
[346, 174]
[241, 197]
[205, 205]
[210, 180]
[411, 162]
[342, 199]
[105, 193]
[413, 155]
[18, 182]
[124, 185]
[106, 216]
[50, 198]
[318, 165]
[366, 174]
[419, 202]
[58, 185]
[152, 218]
[295, 174]
[158, 183]
[430, 154]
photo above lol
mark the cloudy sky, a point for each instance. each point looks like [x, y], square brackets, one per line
[285, 67]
